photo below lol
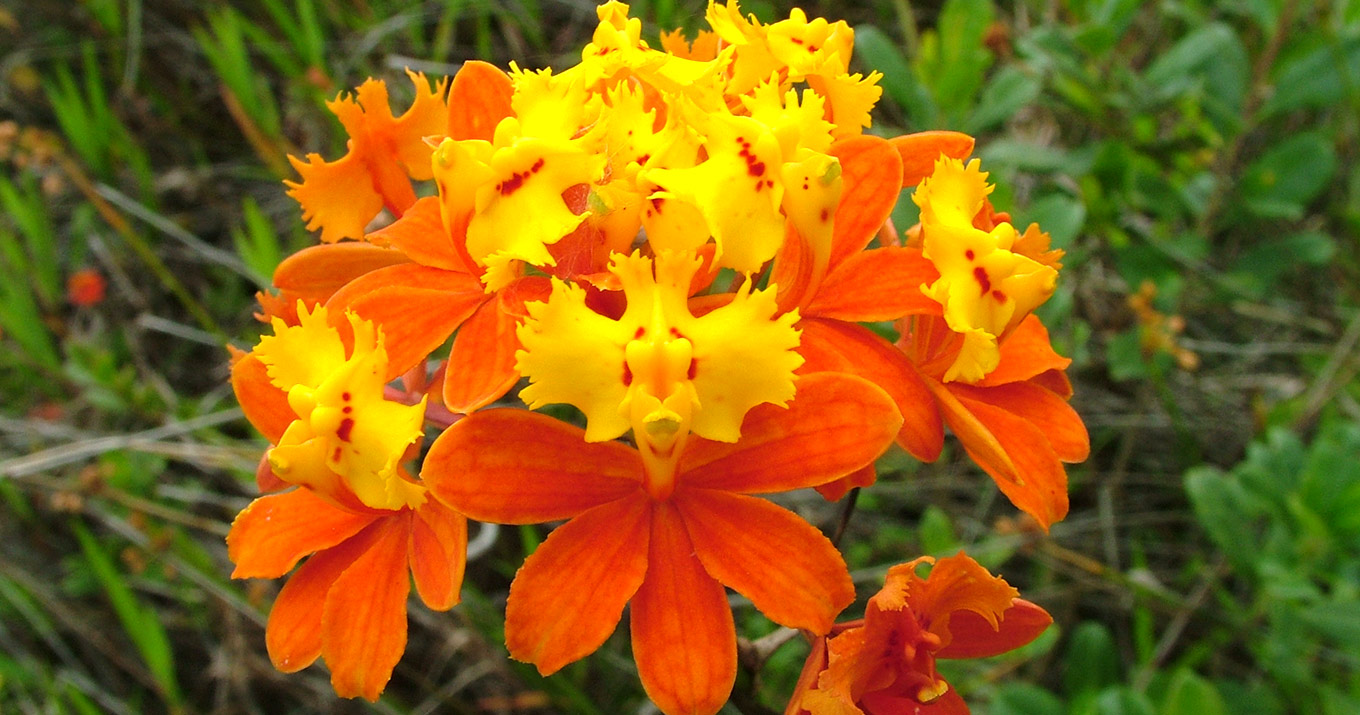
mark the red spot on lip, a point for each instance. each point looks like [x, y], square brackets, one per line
[627, 375]
[984, 282]
[346, 426]
[825, 214]
[693, 368]
[641, 331]
[999, 296]
[968, 254]
[345, 396]
[516, 180]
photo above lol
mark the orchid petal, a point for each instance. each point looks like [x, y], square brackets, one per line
[517, 467]
[363, 625]
[570, 593]
[836, 424]
[790, 571]
[684, 640]
[271, 535]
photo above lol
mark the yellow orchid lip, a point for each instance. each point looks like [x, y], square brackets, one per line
[658, 369]
[985, 287]
[347, 439]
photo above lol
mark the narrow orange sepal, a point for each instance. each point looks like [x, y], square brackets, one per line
[836, 424]
[680, 603]
[870, 170]
[478, 100]
[416, 307]
[920, 150]
[836, 346]
[271, 535]
[363, 624]
[518, 467]
[481, 367]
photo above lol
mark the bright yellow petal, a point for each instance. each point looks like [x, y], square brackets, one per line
[851, 97]
[575, 356]
[521, 210]
[304, 354]
[743, 356]
[737, 190]
[347, 437]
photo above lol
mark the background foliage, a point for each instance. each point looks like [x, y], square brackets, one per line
[1192, 156]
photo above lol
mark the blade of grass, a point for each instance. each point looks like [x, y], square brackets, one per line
[140, 623]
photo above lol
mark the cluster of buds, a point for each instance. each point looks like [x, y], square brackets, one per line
[675, 242]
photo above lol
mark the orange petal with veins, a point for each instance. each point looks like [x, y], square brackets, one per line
[789, 570]
[870, 286]
[416, 307]
[981, 444]
[517, 467]
[478, 100]
[835, 424]
[871, 171]
[1031, 476]
[316, 272]
[836, 346]
[438, 554]
[420, 234]
[920, 150]
[569, 595]
[271, 535]
[363, 626]
[973, 637]
[481, 367]
[1025, 353]
[1061, 425]
[293, 634]
[684, 640]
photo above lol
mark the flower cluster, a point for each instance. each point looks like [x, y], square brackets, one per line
[676, 242]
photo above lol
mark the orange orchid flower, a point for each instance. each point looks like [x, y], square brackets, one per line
[384, 153]
[885, 663]
[1015, 421]
[415, 281]
[836, 284]
[667, 543]
[356, 513]
[347, 603]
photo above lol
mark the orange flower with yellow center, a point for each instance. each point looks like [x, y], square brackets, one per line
[667, 554]
[363, 525]
[347, 439]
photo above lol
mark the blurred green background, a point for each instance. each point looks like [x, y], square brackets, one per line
[1193, 157]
